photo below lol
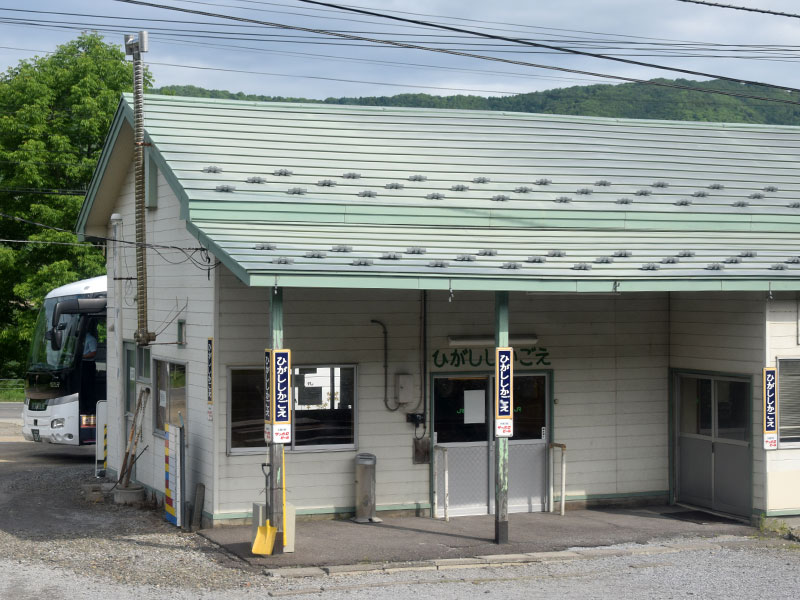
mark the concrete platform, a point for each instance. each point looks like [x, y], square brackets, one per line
[413, 539]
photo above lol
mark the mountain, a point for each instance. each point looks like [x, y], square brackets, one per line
[627, 100]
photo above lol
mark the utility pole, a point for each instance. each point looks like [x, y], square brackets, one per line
[501, 443]
[134, 46]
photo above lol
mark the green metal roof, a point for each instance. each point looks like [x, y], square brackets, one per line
[345, 196]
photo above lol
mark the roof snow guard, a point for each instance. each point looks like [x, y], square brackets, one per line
[565, 203]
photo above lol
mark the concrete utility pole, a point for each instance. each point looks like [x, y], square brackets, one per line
[276, 450]
[501, 443]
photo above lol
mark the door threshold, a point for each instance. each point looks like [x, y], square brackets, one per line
[716, 513]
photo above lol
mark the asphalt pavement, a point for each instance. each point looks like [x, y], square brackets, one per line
[11, 411]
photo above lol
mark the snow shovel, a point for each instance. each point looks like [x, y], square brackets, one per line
[265, 536]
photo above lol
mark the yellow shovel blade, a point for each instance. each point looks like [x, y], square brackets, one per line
[265, 539]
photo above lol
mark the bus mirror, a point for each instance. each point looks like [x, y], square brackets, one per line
[55, 339]
[77, 306]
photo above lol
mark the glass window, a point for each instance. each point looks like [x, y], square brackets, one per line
[461, 409]
[695, 406]
[324, 407]
[143, 363]
[130, 377]
[733, 407]
[789, 401]
[530, 406]
[170, 400]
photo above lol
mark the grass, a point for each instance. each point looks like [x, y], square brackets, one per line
[12, 390]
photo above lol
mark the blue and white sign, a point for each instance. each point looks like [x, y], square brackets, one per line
[282, 407]
[504, 392]
[267, 396]
[770, 408]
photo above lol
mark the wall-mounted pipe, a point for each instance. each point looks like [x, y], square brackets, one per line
[385, 366]
[563, 502]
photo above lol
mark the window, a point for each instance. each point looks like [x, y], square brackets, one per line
[789, 401]
[170, 398]
[324, 407]
[142, 363]
[130, 377]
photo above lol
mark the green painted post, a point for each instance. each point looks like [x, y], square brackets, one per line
[500, 443]
[276, 450]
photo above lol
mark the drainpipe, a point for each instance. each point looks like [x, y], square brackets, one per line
[122, 376]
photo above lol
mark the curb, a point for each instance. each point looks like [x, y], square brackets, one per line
[501, 560]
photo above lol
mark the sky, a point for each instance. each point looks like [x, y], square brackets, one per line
[220, 53]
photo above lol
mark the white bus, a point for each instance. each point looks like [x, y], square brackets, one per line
[66, 374]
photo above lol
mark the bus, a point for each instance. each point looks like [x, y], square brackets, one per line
[66, 373]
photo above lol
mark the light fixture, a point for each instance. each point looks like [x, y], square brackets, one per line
[461, 341]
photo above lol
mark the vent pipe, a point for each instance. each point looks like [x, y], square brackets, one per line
[134, 47]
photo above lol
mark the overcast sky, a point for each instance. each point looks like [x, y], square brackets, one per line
[263, 60]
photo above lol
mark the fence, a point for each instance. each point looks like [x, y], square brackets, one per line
[12, 390]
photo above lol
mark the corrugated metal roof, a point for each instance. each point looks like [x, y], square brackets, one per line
[273, 188]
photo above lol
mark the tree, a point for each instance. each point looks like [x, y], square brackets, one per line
[54, 115]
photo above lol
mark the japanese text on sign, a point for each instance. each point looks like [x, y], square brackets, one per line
[477, 357]
[504, 392]
[282, 413]
[770, 409]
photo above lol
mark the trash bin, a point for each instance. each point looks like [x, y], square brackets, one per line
[365, 488]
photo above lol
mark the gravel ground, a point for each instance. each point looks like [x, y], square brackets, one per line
[62, 546]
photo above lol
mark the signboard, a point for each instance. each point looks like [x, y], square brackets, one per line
[770, 408]
[210, 378]
[278, 396]
[504, 392]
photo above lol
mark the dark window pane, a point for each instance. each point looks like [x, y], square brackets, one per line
[324, 401]
[529, 406]
[733, 403]
[247, 408]
[177, 394]
[460, 410]
[695, 406]
[789, 400]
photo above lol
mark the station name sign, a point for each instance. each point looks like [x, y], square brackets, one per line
[278, 396]
[504, 392]
[770, 408]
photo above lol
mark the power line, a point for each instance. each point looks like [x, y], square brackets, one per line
[538, 44]
[463, 54]
[763, 11]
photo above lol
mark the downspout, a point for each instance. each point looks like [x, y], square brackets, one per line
[122, 376]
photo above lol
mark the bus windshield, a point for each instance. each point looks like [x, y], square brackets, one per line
[43, 357]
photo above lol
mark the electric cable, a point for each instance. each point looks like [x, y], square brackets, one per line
[470, 55]
[763, 11]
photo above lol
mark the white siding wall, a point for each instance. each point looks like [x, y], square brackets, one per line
[609, 356]
[724, 333]
[170, 287]
[326, 327]
[783, 465]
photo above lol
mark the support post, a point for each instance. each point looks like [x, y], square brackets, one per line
[501, 443]
[275, 500]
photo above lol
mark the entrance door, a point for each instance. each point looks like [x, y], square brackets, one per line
[463, 425]
[713, 449]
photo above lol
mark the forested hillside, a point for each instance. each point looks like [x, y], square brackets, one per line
[631, 100]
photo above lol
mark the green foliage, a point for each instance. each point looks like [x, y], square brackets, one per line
[54, 114]
[628, 100]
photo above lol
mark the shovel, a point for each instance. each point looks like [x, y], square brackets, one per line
[265, 536]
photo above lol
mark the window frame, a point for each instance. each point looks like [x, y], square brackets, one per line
[154, 373]
[291, 447]
[778, 360]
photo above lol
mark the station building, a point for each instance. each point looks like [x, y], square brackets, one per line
[650, 270]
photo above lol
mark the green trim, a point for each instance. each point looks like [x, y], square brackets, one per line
[334, 510]
[612, 496]
[424, 281]
[778, 513]
[122, 115]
